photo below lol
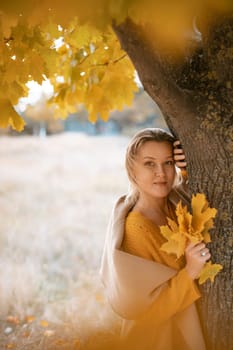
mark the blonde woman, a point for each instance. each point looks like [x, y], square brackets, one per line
[152, 291]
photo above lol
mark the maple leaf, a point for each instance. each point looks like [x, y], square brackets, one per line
[173, 247]
[176, 242]
[28, 48]
[37, 67]
[192, 228]
[184, 218]
[44, 323]
[10, 116]
[209, 271]
[202, 214]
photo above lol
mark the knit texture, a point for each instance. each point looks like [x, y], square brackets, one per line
[156, 328]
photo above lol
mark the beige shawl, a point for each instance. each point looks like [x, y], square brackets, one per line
[132, 283]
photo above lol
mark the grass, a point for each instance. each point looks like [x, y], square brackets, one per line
[56, 195]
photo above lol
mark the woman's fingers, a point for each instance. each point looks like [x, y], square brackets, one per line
[176, 143]
[179, 156]
[181, 164]
[205, 254]
[178, 150]
[189, 246]
[195, 247]
[196, 256]
[198, 250]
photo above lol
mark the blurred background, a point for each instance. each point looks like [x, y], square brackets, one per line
[58, 182]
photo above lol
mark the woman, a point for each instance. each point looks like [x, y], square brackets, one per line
[151, 290]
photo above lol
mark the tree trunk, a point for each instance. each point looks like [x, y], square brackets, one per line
[195, 96]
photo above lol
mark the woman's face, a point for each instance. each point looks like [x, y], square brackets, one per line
[154, 169]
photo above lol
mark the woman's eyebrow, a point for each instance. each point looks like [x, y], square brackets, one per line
[151, 157]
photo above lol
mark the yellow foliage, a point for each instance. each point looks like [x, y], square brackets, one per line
[9, 116]
[202, 218]
[209, 271]
[89, 54]
[191, 227]
[101, 76]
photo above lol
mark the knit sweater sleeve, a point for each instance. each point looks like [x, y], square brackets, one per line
[177, 293]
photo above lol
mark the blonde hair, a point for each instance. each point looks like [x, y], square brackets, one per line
[140, 138]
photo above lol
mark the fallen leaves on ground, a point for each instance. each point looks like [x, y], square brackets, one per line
[33, 333]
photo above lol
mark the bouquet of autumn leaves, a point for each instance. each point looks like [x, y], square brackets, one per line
[191, 227]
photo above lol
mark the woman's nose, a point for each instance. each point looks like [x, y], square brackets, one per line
[159, 170]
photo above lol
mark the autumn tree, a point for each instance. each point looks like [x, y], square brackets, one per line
[183, 54]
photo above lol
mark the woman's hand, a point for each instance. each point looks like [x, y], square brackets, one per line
[179, 156]
[196, 256]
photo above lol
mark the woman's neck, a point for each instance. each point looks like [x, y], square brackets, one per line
[156, 209]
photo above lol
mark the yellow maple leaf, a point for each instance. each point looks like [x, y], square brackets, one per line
[206, 237]
[168, 230]
[81, 35]
[173, 247]
[9, 117]
[194, 237]
[209, 271]
[15, 91]
[36, 63]
[184, 218]
[12, 70]
[44, 323]
[176, 242]
[192, 228]
[202, 214]
[173, 225]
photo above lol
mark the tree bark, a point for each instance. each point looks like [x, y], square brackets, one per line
[195, 96]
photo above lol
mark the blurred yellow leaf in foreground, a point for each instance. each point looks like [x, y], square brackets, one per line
[9, 116]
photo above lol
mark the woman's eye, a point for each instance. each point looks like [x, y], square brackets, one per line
[170, 162]
[149, 164]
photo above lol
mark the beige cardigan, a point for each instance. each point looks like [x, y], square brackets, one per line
[132, 283]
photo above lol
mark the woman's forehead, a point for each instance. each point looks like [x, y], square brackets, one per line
[155, 147]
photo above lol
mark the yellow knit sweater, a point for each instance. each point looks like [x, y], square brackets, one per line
[143, 238]
[156, 329]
